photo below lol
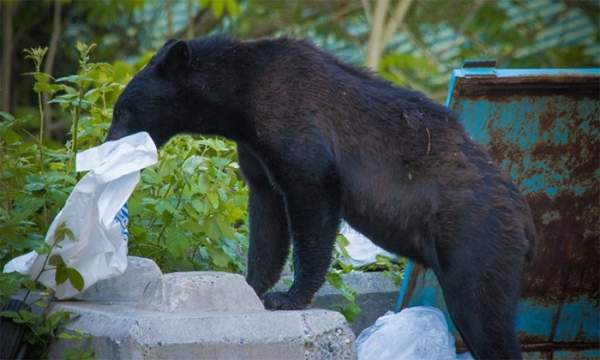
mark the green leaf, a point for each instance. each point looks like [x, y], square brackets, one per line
[213, 199]
[56, 318]
[75, 79]
[63, 232]
[78, 354]
[75, 278]
[192, 225]
[7, 116]
[351, 311]
[56, 260]
[28, 316]
[34, 186]
[334, 279]
[42, 87]
[219, 258]
[71, 336]
[61, 274]
[9, 314]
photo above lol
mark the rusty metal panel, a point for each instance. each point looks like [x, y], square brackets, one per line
[543, 128]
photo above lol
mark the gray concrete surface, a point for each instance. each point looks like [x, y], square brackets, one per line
[127, 287]
[376, 294]
[200, 315]
[122, 332]
[207, 291]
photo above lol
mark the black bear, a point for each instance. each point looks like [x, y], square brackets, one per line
[320, 141]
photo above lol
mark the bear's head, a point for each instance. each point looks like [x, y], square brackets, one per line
[187, 87]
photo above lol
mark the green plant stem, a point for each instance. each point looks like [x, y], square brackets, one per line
[75, 131]
[41, 111]
[41, 147]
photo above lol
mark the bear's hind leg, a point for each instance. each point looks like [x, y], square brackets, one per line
[482, 295]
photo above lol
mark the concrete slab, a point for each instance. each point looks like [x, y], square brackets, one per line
[204, 315]
[123, 332]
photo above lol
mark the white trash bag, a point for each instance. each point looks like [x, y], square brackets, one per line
[418, 332]
[95, 214]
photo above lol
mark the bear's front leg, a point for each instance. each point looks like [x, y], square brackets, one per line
[313, 210]
[269, 233]
[269, 239]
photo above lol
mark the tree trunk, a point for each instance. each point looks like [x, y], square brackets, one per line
[7, 50]
[375, 46]
[189, 32]
[396, 19]
[49, 65]
[382, 31]
[169, 13]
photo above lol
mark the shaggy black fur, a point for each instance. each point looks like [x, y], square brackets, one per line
[320, 140]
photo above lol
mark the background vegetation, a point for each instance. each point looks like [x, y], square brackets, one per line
[189, 211]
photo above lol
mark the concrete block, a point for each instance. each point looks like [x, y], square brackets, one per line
[128, 287]
[180, 317]
[376, 294]
[200, 291]
[121, 332]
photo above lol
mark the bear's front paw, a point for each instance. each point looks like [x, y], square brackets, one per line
[282, 301]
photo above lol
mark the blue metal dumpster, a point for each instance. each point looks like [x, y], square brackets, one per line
[542, 127]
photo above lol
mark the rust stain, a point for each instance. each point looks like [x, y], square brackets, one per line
[506, 89]
[567, 262]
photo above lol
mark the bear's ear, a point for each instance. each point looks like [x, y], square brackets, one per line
[177, 59]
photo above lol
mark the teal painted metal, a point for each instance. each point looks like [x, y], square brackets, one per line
[542, 126]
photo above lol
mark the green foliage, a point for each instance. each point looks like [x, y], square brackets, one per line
[9, 284]
[219, 7]
[350, 309]
[36, 55]
[43, 325]
[189, 211]
[394, 269]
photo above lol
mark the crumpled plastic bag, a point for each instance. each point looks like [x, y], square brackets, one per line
[361, 251]
[96, 215]
[418, 332]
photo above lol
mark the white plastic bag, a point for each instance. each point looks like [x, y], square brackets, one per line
[361, 250]
[418, 332]
[95, 215]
